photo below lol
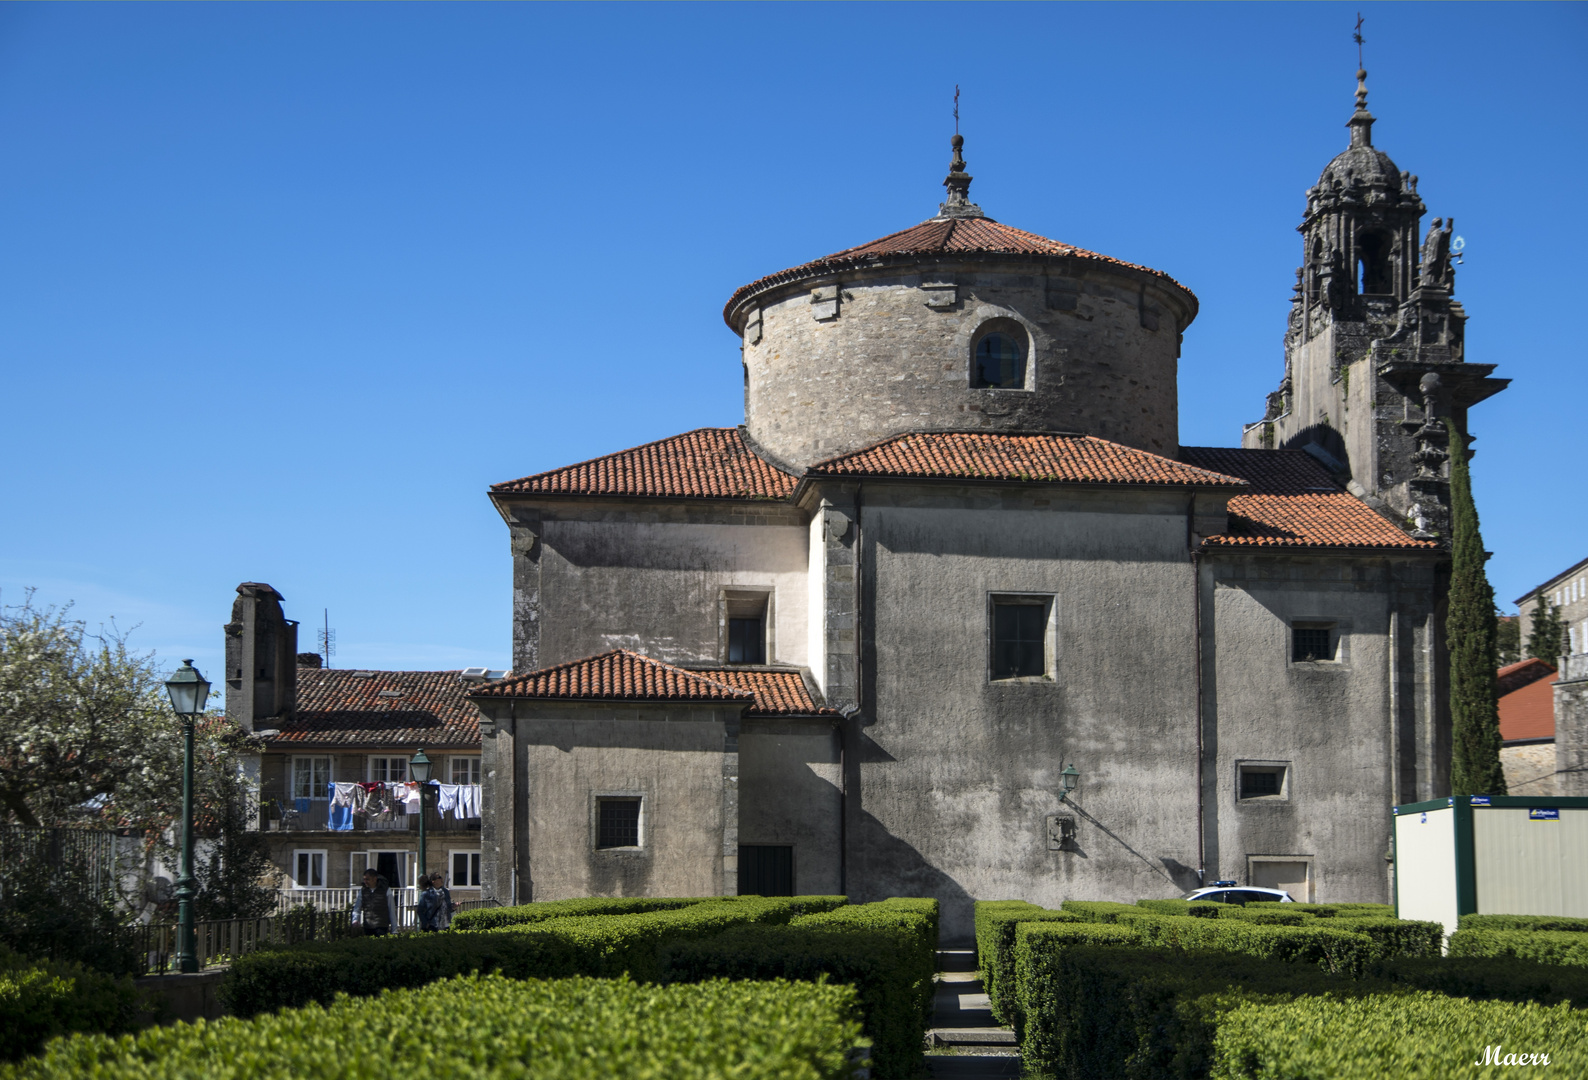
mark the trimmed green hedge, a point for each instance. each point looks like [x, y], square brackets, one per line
[1105, 911]
[1037, 945]
[1394, 937]
[1145, 1013]
[42, 999]
[996, 921]
[1523, 922]
[1327, 911]
[597, 945]
[1489, 977]
[886, 951]
[493, 918]
[489, 1026]
[1201, 909]
[1545, 946]
[1416, 1035]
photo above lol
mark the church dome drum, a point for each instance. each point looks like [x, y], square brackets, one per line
[959, 323]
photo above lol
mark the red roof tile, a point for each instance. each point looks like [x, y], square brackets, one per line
[777, 693]
[707, 463]
[1529, 713]
[1294, 502]
[404, 709]
[618, 675]
[938, 236]
[1078, 459]
[1517, 675]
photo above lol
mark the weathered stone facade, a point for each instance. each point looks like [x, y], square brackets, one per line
[1245, 662]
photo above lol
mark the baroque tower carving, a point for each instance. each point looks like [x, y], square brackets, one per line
[1375, 346]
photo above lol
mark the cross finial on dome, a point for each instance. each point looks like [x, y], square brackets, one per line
[958, 204]
[1361, 122]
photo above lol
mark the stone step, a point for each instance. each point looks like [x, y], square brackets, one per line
[956, 959]
[971, 1036]
[962, 1066]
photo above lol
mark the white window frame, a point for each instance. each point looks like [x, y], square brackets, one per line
[410, 863]
[452, 867]
[324, 859]
[473, 763]
[374, 774]
[317, 791]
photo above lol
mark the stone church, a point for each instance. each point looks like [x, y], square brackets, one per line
[954, 614]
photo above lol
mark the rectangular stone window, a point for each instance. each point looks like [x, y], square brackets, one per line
[1313, 642]
[746, 624]
[1019, 636]
[766, 870]
[308, 869]
[618, 824]
[1262, 781]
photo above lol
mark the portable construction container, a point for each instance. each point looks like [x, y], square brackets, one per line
[1491, 855]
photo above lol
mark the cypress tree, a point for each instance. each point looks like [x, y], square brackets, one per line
[1472, 633]
[1546, 636]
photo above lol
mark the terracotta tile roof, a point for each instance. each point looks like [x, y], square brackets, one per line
[1529, 713]
[404, 709]
[1294, 502]
[1079, 459]
[619, 675]
[938, 236]
[707, 463]
[777, 693]
[1515, 676]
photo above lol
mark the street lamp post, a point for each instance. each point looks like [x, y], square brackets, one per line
[1069, 778]
[189, 694]
[419, 767]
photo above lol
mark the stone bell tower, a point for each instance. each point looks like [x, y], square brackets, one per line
[1374, 351]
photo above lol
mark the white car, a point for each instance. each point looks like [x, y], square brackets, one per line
[1228, 892]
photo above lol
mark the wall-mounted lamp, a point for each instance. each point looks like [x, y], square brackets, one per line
[1069, 778]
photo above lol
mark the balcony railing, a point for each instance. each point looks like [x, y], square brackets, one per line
[286, 817]
[342, 900]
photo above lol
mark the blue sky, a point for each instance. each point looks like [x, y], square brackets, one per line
[283, 288]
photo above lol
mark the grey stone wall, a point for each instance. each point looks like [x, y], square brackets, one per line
[790, 793]
[1571, 727]
[1530, 769]
[890, 350]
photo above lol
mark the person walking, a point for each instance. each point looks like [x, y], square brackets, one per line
[373, 914]
[428, 911]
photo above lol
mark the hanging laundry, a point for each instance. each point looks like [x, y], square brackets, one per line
[411, 797]
[340, 817]
[447, 798]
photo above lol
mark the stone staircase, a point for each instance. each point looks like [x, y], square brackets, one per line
[964, 1042]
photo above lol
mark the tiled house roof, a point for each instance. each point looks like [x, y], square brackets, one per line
[1294, 502]
[621, 675]
[618, 675]
[777, 693]
[938, 236]
[1529, 711]
[403, 709]
[992, 456]
[707, 463]
[1515, 676]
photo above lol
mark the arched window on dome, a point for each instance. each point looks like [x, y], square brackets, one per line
[998, 361]
[1373, 275]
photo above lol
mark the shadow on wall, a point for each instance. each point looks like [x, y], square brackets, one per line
[1329, 441]
[877, 856]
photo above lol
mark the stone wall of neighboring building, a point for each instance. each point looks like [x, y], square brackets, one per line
[1567, 591]
[894, 353]
[1529, 769]
[1571, 728]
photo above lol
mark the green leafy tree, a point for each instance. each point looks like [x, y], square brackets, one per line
[1508, 637]
[1546, 635]
[1471, 631]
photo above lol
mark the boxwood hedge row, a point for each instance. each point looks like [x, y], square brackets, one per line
[42, 999]
[1523, 922]
[1489, 978]
[996, 921]
[1344, 951]
[1422, 1035]
[596, 945]
[1545, 946]
[886, 951]
[492, 918]
[490, 1026]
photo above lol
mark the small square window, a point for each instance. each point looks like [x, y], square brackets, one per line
[1262, 781]
[1311, 643]
[619, 823]
[1019, 633]
[308, 869]
[746, 641]
[311, 777]
[465, 770]
[388, 769]
[746, 615]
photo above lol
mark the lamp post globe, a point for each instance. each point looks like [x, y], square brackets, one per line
[419, 767]
[1069, 778]
[190, 693]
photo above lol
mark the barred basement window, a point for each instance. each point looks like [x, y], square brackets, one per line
[1259, 781]
[619, 823]
[1311, 642]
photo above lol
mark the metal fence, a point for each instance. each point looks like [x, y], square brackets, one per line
[84, 860]
[223, 940]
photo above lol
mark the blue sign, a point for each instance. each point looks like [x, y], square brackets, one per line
[1544, 813]
[1480, 800]
[1424, 821]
